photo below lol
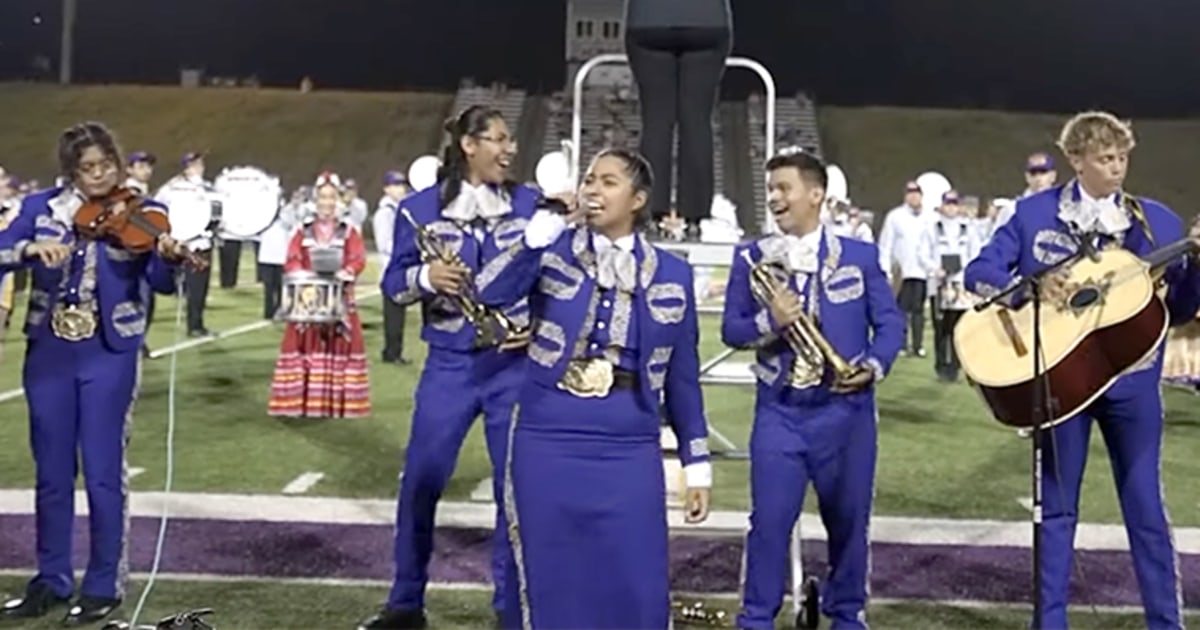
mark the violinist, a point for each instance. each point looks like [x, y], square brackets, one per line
[85, 322]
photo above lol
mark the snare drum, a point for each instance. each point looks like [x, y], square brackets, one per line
[309, 298]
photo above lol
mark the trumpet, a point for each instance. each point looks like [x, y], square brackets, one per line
[492, 326]
[803, 336]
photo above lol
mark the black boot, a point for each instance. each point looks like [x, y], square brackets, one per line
[38, 601]
[395, 620]
[88, 610]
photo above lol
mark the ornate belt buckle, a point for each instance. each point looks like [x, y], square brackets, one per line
[72, 323]
[592, 378]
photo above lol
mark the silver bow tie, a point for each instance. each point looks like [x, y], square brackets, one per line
[476, 203]
[616, 269]
[802, 259]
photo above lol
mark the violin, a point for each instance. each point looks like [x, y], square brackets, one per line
[122, 217]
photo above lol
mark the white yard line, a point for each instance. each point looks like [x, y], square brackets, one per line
[486, 587]
[135, 471]
[192, 343]
[303, 483]
[884, 529]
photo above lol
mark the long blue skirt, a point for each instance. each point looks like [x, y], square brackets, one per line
[587, 515]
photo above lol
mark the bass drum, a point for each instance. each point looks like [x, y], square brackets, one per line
[250, 200]
[191, 212]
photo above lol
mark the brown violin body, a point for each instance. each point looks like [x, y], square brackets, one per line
[124, 219]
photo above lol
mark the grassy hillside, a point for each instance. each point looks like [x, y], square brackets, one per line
[296, 135]
[291, 134]
[983, 152]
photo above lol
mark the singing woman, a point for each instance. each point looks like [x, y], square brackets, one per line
[473, 212]
[322, 368]
[616, 328]
[85, 322]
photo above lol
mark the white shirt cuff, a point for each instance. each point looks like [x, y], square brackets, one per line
[698, 475]
[544, 228]
[423, 279]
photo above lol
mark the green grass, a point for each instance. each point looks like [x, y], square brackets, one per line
[265, 605]
[940, 453]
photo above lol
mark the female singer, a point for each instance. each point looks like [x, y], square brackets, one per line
[322, 368]
[616, 326]
[474, 212]
[86, 319]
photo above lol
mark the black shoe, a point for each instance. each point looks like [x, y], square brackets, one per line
[396, 620]
[201, 332]
[38, 601]
[89, 610]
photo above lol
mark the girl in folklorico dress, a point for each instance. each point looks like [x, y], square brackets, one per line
[322, 368]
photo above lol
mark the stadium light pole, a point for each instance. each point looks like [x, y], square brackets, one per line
[67, 41]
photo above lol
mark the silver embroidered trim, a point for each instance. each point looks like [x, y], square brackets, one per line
[514, 525]
[412, 282]
[850, 275]
[877, 367]
[1051, 247]
[656, 366]
[493, 268]
[129, 318]
[762, 322]
[448, 232]
[39, 307]
[660, 298]
[554, 286]
[589, 325]
[118, 254]
[768, 368]
[618, 325]
[14, 255]
[540, 353]
[509, 232]
[698, 447]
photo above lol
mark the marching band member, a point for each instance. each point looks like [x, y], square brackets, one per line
[138, 171]
[948, 244]
[616, 330]
[810, 422]
[189, 184]
[395, 189]
[355, 209]
[273, 253]
[87, 314]
[1045, 229]
[475, 213]
[899, 255]
[322, 368]
[1039, 175]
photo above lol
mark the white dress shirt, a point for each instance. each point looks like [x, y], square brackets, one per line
[900, 243]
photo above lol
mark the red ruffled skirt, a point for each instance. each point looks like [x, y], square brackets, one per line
[321, 372]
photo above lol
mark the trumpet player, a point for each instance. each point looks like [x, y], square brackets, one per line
[820, 313]
[444, 235]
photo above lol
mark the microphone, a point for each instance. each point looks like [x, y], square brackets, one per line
[1085, 242]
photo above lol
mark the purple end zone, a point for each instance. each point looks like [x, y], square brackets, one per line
[305, 550]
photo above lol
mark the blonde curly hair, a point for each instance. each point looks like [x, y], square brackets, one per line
[1095, 130]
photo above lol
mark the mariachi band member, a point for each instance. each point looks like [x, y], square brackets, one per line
[814, 419]
[321, 371]
[616, 329]
[1045, 229]
[87, 315]
[471, 215]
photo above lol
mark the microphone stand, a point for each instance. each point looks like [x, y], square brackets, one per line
[1043, 407]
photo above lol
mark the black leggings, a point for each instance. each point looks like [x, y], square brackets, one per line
[678, 73]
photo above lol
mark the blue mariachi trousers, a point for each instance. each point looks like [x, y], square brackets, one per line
[455, 387]
[833, 445]
[80, 397]
[588, 508]
[1131, 420]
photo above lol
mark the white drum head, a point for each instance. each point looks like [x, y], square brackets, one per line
[190, 216]
[838, 188]
[933, 186]
[249, 200]
[553, 173]
[423, 172]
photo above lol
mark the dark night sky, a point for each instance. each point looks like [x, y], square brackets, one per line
[1141, 58]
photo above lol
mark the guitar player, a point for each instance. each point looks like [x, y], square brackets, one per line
[1046, 228]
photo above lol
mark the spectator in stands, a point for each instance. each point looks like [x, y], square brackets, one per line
[677, 52]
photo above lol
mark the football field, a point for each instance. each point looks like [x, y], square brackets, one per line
[287, 523]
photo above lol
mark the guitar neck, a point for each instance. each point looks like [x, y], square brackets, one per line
[1167, 254]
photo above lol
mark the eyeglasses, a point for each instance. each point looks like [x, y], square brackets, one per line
[505, 141]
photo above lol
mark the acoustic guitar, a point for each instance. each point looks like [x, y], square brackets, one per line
[1112, 319]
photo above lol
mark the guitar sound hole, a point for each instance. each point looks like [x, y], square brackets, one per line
[1084, 298]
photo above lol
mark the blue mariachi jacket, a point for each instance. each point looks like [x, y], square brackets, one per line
[443, 323]
[1037, 237]
[117, 280]
[560, 281]
[855, 307]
